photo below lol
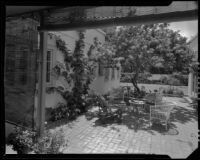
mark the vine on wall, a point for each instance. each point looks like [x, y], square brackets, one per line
[104, 55]
[78, 72]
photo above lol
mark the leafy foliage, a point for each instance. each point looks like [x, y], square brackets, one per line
[59, 112]
[103, 54]
[25, 141]
[22, 140]
[194, 68]
[50, 143]
[147, 46]
[173, 91]
[78, 71]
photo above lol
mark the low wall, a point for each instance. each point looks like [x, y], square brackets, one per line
[152, 87]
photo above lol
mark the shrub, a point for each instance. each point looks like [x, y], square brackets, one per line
[180, 93]
[125, 78]
[116, 92]
[25, 141]
[163, 79]
[62, 111]
[183, 79]
[169, 90]
[173, 81]
[22, 140]
[173, 91]
[50, 143]
[164, 91]
[59, 112]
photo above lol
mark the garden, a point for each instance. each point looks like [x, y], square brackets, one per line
[138, 48]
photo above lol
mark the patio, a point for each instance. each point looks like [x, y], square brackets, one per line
[134, 136]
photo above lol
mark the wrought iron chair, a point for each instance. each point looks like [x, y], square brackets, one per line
[161, 110]
[108, 109]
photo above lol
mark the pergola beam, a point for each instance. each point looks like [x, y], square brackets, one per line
[42, 81]
[135, 20]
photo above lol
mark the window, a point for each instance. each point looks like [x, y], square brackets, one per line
[48, 73]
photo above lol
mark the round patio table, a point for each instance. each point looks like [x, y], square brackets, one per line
[138, 104]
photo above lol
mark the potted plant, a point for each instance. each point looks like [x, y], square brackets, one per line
[21, 140]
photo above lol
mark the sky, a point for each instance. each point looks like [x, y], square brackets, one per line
[187, 28]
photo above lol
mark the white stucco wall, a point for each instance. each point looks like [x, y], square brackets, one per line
[70, 37]
[102, 86]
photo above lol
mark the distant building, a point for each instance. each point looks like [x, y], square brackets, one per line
[193, 79]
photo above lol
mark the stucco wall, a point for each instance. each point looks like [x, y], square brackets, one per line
[70, 37]
[102, 86]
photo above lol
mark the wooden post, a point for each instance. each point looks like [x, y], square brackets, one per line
[190, 84]
[42, 81]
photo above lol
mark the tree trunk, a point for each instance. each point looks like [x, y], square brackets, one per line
[134, 82]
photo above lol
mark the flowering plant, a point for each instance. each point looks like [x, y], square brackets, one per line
[22, 140]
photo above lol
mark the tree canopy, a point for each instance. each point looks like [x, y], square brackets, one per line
[152, 45]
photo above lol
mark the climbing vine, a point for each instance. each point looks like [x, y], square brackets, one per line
[104, 54]
[78, 72]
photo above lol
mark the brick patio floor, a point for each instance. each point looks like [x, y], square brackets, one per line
[133, 135]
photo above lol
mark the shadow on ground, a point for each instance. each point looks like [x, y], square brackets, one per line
[141, 122]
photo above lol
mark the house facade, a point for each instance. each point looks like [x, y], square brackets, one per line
[21, 70]
[105, 78]
[193, 78]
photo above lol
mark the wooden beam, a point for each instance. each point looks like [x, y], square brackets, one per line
[136, 20]
[42, 81]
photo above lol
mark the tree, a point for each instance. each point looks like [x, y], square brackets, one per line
[147, 46]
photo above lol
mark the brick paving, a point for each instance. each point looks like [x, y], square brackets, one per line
[134, 136]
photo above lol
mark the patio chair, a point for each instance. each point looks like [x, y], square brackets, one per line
[108, 109]
[161, 110]
[117, 98]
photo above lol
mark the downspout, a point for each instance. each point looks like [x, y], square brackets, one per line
[42, 79]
